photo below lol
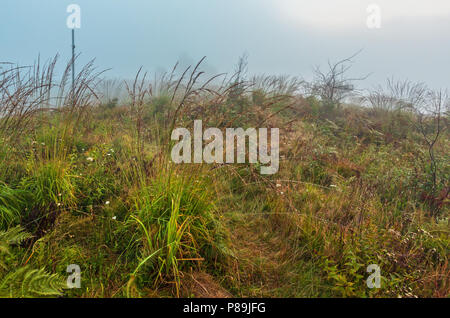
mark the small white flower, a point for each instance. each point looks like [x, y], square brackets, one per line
[278, 185]
[90, 159]
[59, 194]
[107, 202]
[59, 204]
[333, 186]
[282, 192]
[114, 217]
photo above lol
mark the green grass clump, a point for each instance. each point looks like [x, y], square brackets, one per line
[178, 228]
[52, 184]
[14, 204]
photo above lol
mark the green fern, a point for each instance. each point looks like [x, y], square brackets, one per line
[27, 282]
[24, 281]
[13, 236]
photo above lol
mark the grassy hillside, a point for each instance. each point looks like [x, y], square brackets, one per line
[91, 183]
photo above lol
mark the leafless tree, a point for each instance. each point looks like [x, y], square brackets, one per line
[431, 122]
[334, 85]
[241, 68]
[240, 76]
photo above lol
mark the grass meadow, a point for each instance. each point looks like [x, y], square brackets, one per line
[86, 178]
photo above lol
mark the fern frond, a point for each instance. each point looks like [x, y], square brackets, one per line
[12, 236]
[27, 282]
[15, 235]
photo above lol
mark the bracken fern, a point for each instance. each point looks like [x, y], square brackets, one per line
[24, 281]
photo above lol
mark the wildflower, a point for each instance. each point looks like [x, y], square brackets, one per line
[114, 217]
[90, 159]
[59, 204]
[107, 202]
[278, 185]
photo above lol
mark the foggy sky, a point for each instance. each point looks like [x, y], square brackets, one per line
[279, 36]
